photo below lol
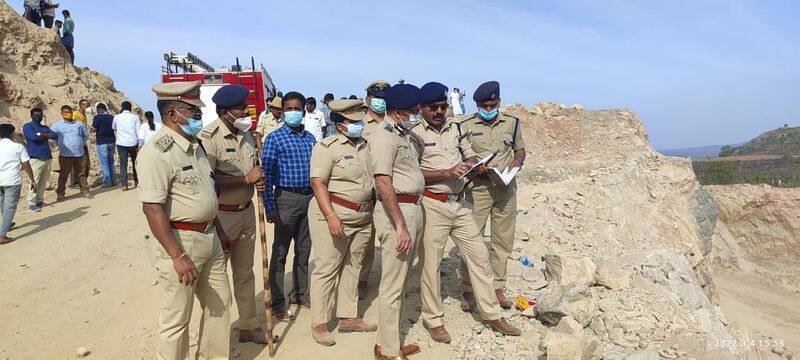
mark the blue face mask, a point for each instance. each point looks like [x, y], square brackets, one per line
[193, 127]
[378, 105]
[293, 118]
[355, 129]
[487, 115]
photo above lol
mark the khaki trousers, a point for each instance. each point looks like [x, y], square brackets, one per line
[72, 165]
[41, 172]
[394, 274]
[336, 259]
[241, 225]
[442, 221]
[500, 204]
[369, 257]
[212, 290]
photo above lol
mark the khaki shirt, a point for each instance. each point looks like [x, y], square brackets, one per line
[174, 171]
[346, 167]
[442, 150]
[267, 124]
[230, 155]
[487, 138]
[371, 122]
[392, 153]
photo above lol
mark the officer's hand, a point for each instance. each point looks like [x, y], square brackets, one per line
[273, 217]
[482, 169]
[255, 175]
[335, 226]
[261, 185]
[514, 163]
[187, 273]
[403, 240]
[33, 184]
[458, 170]
[226, 241]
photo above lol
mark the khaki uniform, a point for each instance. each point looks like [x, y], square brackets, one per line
[392, 153]
[345, 166]
[234, 155]
[371, 122]
[267, 124]
[499, 201]
[453, 218]
[175, 172]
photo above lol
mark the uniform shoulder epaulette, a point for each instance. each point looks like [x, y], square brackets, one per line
[469, 118]
[327, 141]
[163, 143]
[511, 116]
[388, 127]
[208, 131]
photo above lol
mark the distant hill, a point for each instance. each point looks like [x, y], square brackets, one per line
[781, 141]
[696, 152]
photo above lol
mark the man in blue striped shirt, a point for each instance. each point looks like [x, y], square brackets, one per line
[286, 158]
[71, 136]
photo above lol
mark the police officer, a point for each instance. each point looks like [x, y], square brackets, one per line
[376, 110]
[491, 132]
[443, 153]
[232, 154]
[179, 200]
[340, 221]
[270, 119]
[399, 184]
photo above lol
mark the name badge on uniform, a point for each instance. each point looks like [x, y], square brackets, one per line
[187, 167]
[430, 144]
[230, 150]
[348, 157]
[477, 134]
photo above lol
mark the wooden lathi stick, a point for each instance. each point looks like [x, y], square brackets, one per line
[262, 229]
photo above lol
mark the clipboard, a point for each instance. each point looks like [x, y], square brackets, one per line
[485, 160]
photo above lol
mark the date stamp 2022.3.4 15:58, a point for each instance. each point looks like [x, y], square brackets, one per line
[747, 343]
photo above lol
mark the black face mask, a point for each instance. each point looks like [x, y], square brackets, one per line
[37, 118]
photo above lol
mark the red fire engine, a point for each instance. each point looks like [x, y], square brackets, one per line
[189, 67]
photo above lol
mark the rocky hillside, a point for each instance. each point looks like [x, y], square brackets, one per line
[622, 237]
[758, 232]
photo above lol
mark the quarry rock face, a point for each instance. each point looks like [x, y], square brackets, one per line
[35, 71]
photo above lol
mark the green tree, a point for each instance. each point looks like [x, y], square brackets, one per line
[727, 150]
[720, 173]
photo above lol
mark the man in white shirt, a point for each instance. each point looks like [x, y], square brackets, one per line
[456, 101]
[126, 126]
[12, 157]
[314, 121]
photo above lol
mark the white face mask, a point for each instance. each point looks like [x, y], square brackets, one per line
[242, 123]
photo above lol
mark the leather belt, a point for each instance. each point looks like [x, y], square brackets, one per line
[304, 191]
[360, 207]
[407, 198]
[198, 227]
[234, 208]
[445, 198]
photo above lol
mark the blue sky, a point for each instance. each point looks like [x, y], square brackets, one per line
[696, 72]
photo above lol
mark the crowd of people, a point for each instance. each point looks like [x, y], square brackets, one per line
[394, 168]
[122, 134]
[43, 12]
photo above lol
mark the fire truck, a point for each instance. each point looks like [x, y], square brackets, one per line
[189, 67]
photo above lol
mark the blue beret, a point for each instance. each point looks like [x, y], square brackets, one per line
[489, 90]
[402, 96]
[230, 95]
[432, 92]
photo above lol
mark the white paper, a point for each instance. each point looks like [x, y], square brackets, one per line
[505, 177]
[479, 163]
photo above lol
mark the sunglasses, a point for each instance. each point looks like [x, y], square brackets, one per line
[434, 107]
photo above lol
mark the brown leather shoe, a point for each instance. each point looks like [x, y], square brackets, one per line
[355, 325]
[405, 351]
[503, 327]
[322, 336]
[283, 315]
[439, 334]
[362, 290]
[501, 298]
[258, 336]
[467, 301]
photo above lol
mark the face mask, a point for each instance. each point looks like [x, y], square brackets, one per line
[413, 119]
[487, 115]
[194, 126]
[37, 118]
[378, 105]
[67, 116]
[242, 123]
[293, 118]
[355, 129]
